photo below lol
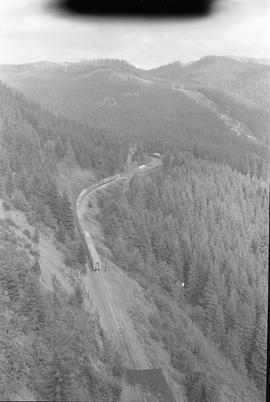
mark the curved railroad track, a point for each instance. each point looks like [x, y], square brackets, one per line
[112, 312]
[92, 257]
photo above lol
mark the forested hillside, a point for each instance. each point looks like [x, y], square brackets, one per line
[245, 78]
[26, 131]
[137, 106]
[52, 346]
[256, 119]
[195, 236]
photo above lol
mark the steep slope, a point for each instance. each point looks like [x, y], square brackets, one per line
[39, 150]
[117, 297]
[243, 120]
[133, 105]
[194, 237]
[52, 343]
[248, 79]
[32, 137]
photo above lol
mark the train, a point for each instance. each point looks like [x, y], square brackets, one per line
[91, 265]
[154, 155]
[95, 267]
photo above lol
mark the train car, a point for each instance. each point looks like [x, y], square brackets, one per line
[84, 235]
[154, 155]
[96, 266]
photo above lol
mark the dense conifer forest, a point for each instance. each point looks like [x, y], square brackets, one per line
[131, 105]
[33, 144]
[51, 346]
[195, 236]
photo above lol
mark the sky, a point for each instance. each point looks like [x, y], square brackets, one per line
[30, 31]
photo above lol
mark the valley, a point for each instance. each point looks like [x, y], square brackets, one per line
[108, 289]
[134, 236]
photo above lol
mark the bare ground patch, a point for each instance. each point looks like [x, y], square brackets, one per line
[51, 264]
[151, 383]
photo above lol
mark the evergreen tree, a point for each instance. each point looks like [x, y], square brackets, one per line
[8, 277]
[69, 159]
[219, 326]
[245, 325]
[193, 278]
[19, 201]
[259, 354]
[150, 196]
[9, 185]
[31, 303]
[81, 255]
[230, 311]
[54, 202]
[36, 268]
[45, 215]
[232, 350]
[36, 236]
[60, 233]
[66, 214]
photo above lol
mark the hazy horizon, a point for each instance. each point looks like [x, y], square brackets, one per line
[259, 59]
[31, 31]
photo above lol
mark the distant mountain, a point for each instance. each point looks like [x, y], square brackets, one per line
[171, 71]
[247, 78]
[244, 77]
[173, 105]
[259, 60]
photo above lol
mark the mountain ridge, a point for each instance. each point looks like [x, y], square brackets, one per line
[143, 106]
[102, 61]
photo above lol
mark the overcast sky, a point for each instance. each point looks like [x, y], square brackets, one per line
[29, 31]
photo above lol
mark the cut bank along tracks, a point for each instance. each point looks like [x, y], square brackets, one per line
[93, 257]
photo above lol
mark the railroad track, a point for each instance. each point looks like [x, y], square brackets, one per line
[127, 349]
[119, 324]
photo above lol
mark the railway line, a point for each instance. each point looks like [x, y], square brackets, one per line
[93, 259]
[103, 288]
